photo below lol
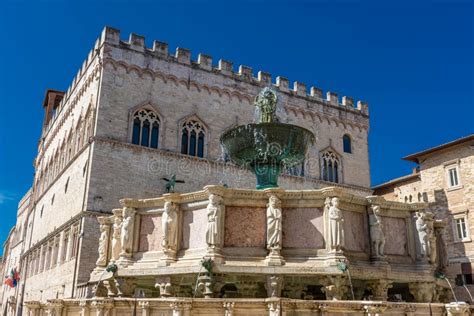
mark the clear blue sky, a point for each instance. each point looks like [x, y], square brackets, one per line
[413, 63]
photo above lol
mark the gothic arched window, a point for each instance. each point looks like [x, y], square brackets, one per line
[347, 144]
[145, 128]
[330, 167]
[192, 138]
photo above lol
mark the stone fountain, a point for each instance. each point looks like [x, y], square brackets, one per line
[267, 147]
[229, 251]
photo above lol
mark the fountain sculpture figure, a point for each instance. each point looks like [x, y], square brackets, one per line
[267, 147]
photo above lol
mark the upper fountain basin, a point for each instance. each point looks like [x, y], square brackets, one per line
[267, 143]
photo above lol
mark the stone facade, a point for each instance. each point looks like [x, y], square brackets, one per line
[451, 199]
[13, 249]
[88, 158]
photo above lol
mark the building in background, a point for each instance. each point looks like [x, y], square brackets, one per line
[444, 177]
[13, 249]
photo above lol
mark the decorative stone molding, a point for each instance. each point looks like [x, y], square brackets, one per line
[260, 306]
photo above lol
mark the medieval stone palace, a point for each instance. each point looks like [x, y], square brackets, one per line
[135, 208]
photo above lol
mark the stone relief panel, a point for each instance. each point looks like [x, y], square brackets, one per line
[303, 228]
[396, 236]
[194, 229]
[245, 227]
[151, 233]
[355, 232]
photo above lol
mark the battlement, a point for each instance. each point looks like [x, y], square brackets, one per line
[80, 73]
[245, 73]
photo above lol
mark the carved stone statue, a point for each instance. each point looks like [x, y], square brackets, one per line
[103, 242]
[169, 224]
[126, 234]
[336, 220]
[274, 224]
[424, 226]
[214, 214]
[376, 232]
[266, 101]
[442, 254]
[116, 244]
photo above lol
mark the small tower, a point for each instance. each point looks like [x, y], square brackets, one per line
[50, 104]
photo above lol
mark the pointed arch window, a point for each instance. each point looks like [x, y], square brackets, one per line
[193, 136]
[347, 144]
[145, 128]
[330, 167]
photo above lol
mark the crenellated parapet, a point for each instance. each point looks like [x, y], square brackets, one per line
[111, 36]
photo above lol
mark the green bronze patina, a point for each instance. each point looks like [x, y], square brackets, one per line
[268, 146]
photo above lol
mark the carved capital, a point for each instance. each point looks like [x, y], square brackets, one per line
[164, 285]
[379, 289]
[457, 309]
[335, 287]
[422, 291]
[274, 285]
[274, 308]
[374, 309]
[228, 308]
